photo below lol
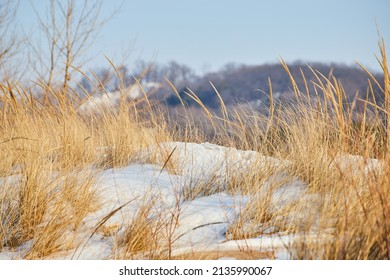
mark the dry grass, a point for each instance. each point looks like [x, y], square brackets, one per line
[51, 155]
[140, 237]
[315, 134]
[50, 158]
[232, 254]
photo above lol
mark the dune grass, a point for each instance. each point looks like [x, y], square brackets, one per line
[52, 154]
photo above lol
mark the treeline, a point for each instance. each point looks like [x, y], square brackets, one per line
[243, 84]
[249, 84]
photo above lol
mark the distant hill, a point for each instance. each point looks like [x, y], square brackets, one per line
[242, 83]
[236, 83]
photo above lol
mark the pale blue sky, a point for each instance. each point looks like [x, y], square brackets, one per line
[206, 35]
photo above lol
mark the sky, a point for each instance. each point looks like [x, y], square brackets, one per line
[206, 35]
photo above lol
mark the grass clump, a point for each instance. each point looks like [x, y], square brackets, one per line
[314, 168]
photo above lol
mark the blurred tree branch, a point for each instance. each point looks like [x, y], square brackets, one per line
[10, 42]
[70, 28]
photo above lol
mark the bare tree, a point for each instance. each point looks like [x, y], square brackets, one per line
[70, 29]
[178, 74]
[10, 42]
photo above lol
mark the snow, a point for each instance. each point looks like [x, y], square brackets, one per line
[110, 100]
[204, 221]
[198, 223]
[353, 165]
[136, 185]
[204, 159]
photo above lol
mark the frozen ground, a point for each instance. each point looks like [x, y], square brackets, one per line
[199, 224]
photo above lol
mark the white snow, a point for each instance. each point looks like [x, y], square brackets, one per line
[352, 165]
[110, 100]
[199, 223]
[204, 221]
[197, 160]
